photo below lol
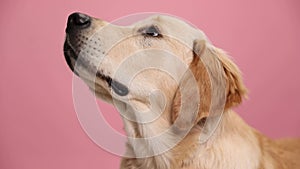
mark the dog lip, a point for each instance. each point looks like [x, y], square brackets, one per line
[119, 88]
[69, 51]
[69, 54]
[104, 77]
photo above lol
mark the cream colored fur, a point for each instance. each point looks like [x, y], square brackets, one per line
[233, 145]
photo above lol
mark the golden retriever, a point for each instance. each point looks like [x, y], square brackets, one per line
[175, 91]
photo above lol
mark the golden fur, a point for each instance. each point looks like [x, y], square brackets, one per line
[233, 145]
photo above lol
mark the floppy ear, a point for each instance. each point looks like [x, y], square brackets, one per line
[215, 59]
[235, 88]
[210, 63]
[201, 76]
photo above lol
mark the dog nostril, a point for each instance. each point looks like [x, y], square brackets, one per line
[81, 19]
[78, 21]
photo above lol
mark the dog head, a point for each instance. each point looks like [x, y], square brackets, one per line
[145, 65]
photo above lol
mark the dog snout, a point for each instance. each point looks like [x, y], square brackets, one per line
[78, 21]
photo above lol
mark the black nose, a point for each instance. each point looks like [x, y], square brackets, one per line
[78, 21]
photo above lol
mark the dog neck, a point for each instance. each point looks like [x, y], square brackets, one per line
[228, 147]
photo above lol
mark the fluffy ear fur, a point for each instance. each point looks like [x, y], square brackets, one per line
[235, 88]
[210, 62]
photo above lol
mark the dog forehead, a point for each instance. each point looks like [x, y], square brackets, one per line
[174, 27]
[165, 22]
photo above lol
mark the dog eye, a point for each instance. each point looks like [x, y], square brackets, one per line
[152, 31]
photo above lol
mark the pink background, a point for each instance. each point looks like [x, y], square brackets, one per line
[38, 124]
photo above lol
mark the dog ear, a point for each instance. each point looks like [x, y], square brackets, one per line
[235, 88]
[212, 64]
[203, 85]
[216, 59]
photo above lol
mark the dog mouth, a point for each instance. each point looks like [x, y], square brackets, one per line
[71, 59]
[116, 86]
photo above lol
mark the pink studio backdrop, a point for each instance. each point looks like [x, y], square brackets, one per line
[38, 124]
